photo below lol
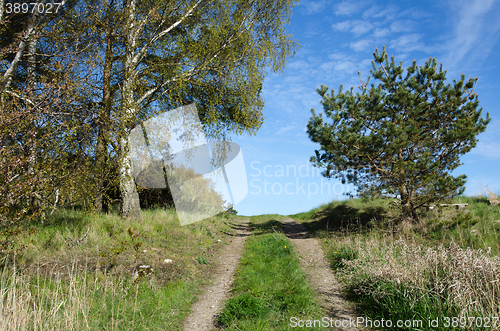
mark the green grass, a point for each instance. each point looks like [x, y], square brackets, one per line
[269, 286]
[445, 265]
[476, 226]
[60, 283]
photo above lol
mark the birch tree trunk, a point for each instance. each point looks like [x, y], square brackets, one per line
[28, 35]
[210, 52]
[31, 82]
[130, 207]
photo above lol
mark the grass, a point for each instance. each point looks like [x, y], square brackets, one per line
[269, 287]
[446, 265]
[77, 272]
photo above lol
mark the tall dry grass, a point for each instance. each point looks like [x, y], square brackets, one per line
[38, 303]
[76, 272]
[463, 278]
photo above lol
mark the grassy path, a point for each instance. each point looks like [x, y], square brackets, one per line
[270, 290]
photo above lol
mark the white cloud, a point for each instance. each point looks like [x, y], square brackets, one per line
[488, 144]
[416, 14]
[361, 45]
[358, 27]
[313, 7]
[311, 30]
[476, 31]
[285, 129]
[381, 32]
[389, 12]
[408, 43]
[366, 63]
[342, 26]
[348, 7]
[338, 56]
[402, 26]
[490, 149]
[298, 65]
[346, 66]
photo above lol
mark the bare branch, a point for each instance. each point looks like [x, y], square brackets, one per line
[7, 77]
[138, 57]
[159, 87]
[20, 97]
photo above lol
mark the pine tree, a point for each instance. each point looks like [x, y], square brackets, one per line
[402, 137]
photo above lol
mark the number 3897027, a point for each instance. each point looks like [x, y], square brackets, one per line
[32, 7]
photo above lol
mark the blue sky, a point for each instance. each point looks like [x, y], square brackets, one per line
[337, 39]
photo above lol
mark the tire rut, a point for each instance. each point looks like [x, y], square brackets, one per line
[316, 268]
[212, 300]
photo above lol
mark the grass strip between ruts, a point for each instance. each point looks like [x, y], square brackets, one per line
[270, 291]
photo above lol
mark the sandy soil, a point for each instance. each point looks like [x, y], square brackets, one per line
[214, 296]
[319, 274]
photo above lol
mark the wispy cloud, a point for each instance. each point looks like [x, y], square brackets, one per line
[311, 30]
[342, 26]
[477, 28]
[348, 7]
[313, 7]
[488, 144]
[338, 56]
[299, 65]
[490, 149]
[389, 12]
[286, 129]
[362, 45]
[381, 32]
[361, 27]
[408, 43]
[358, 27]
[402, 26]
[415, 13]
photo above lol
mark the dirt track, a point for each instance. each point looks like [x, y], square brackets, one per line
[318, 272]
[213, 298]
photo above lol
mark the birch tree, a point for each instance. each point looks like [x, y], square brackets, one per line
[213, 53]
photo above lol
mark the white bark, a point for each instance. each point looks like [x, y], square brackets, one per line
[130, 207]
[1, 9]
[55, 202]
[28, 35]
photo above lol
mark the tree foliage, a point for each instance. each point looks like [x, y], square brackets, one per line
[402, 137]
[73, 85]
[212, 53]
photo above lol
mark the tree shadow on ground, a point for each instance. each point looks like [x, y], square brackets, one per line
[478, 200]
[345, 218]
[61, 219]
[269, 226]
